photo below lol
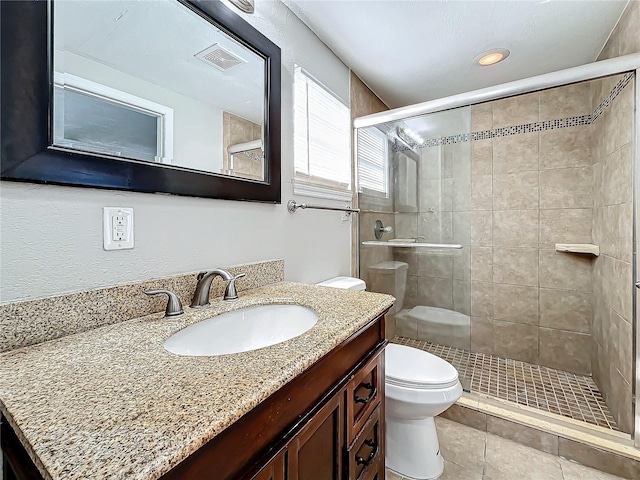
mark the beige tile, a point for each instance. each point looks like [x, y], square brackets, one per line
[482, 192]
[482, 228]
[461, 444]
[565, 147]
[435, 292]
[565, 188]
[482, 157]
[515, 303]
[622, 294]
[439, 266]
[618, 177]
[599, 459]
[411, 294]
[515, 228]
[453, 471]
[627, 30]
[625, 229]
[565, 225]
[575, 471]
[522, 434]
[462, 227]
[461, 198]
[516, 110]
[436, 226]
[515, 266]
[507, 460]
[625, 361]
[462, 298]
[516, 191]
[481, 117]
[567, 351]
[406, 225]
[516, 341]
[563, 102]
[481, 336]
[515, 153]
[566, 310]
[482, 299]
[482, 264]
[430, 195]
[466, 416]
[462, 264]
[567, 271]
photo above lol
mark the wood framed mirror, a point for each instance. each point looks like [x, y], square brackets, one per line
[170, 96]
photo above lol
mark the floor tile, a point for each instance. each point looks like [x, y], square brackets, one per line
[460, 444]
[453, 471]
[507, 460]
[537, 386]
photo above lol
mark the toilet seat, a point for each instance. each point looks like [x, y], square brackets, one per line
[409, 367]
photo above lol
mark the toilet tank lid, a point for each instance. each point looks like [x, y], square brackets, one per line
[390, 265]
[348, 283]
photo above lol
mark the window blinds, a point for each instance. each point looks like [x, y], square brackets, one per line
[373, 161]
[322, 141]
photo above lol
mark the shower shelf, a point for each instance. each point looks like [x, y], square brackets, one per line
[588, 248]
[449, 246]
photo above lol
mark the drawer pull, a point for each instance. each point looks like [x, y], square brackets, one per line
[372, 393]
[367, 461]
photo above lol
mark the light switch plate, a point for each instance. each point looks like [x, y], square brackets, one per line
[117, 228]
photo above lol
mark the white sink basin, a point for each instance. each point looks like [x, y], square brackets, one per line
[242, 330]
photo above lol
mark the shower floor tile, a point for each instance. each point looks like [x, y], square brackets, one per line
[544, 388]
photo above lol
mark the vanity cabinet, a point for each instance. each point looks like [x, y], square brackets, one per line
[327, 423]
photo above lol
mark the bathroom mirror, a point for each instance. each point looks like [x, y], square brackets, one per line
[170, 96]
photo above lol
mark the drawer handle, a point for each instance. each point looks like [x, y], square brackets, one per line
[367, 461]
[372, 393]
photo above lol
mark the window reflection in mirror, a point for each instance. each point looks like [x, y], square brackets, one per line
[153, 81]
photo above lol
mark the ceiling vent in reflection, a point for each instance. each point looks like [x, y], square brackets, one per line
[219, 57]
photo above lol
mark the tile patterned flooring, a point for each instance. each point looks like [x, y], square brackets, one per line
[474, 455]
[547, 389]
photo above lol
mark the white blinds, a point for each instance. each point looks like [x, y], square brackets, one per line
[372, 161]
[322, 144]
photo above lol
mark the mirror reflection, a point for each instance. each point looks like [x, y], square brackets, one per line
[153, 81]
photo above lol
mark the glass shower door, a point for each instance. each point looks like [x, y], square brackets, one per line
[414, 191]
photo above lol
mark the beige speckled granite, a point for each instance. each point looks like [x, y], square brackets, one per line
[35, 321]
[112, 403]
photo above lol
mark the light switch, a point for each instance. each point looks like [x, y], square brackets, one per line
[118, 228]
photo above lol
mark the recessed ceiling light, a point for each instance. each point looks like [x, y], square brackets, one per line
[492, 57]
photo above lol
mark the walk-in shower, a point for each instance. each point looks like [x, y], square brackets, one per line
[488, 203]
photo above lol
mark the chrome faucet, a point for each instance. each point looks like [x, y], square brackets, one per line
[201, 295]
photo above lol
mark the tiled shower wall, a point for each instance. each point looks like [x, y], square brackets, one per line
[530, 190]
[612, 331]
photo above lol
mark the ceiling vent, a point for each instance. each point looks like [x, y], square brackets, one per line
[219, 57]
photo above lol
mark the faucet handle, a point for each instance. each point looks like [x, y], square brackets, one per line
[174, 305]
[230, 292]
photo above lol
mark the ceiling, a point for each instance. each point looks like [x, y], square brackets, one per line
[156, 42]
[409, 52]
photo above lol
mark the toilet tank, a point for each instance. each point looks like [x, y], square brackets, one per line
[390, 278]
[348, 283]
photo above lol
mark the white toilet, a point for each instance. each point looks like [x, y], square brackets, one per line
[418, 386]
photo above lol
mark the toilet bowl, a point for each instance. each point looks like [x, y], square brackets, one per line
[418, 386]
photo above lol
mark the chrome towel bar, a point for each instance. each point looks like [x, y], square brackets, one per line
[292, 206]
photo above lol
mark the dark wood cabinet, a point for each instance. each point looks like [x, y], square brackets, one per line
[325, 424]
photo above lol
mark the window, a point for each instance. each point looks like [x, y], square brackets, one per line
[373, 171]
[322, 141]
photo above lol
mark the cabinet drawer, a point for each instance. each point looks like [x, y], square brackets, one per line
[366, 456]
[364, 392]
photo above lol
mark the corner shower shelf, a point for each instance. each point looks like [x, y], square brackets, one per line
[588, 248]
[450, 246]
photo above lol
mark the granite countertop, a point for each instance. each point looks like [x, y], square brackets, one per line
[113, 403]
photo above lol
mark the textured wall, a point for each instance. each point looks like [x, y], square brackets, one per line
[52, 236]
[625, 38]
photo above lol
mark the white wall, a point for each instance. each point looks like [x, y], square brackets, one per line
[51, 236]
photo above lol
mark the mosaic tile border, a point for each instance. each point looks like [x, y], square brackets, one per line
[527, 127]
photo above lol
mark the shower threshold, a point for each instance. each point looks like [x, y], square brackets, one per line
[543, 388]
